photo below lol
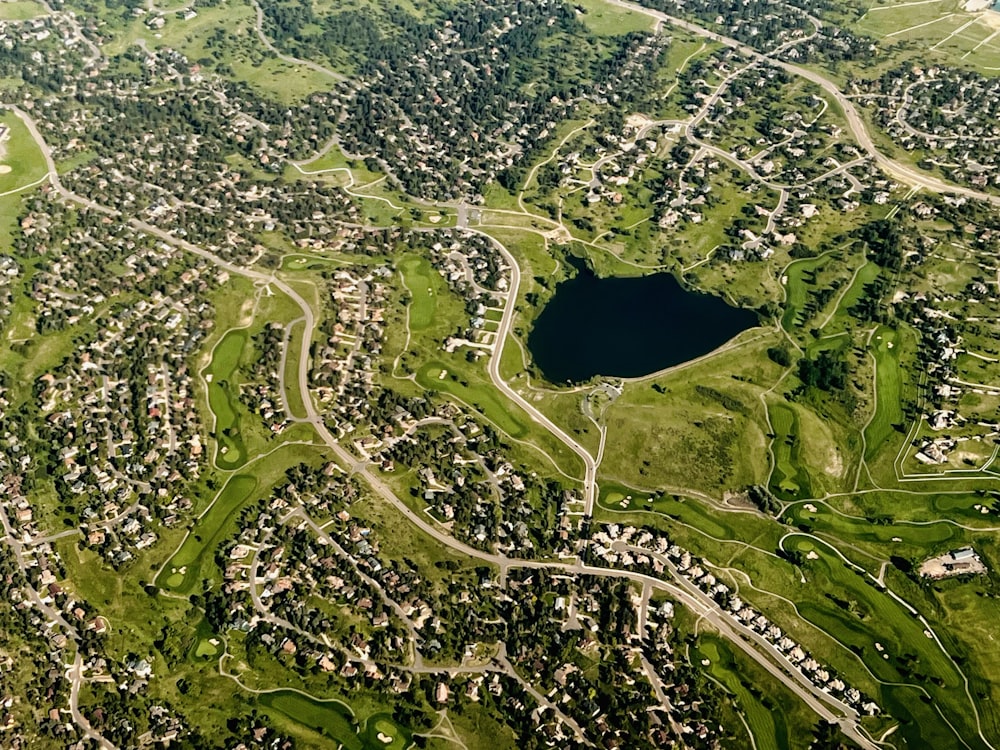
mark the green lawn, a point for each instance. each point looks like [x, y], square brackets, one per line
[851, 610]
[10, 207]
[607, 20]
[384, 725]
[480, 394]
[417, 277]
[941, 31]
[790, 478]
[664, 433]
[206, 533]
[21, 154]
[796, 289]
[435, 313]
[332, 718]
[192, 562]
[20, 10]
[292, 394]
[221, 38]
[224, 399]
[692, 513]
[766, 721]
[906, 540]
[866, 275]
[888, 408]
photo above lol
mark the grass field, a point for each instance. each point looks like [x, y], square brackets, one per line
[866, 274]
[383, 724]
[607, 20]
[844, 614]
[221, 37]
[10, 207]
[710, 523]
[21, 154]
[191, 563]
[334, 166]
[332, 719]
[796, 289]
[888, 410]
[664, 432]
[435, 313]
[20, 10]
[224, 399]
[941, 30]
[968, 613]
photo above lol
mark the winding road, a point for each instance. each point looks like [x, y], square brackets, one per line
[823, 704]
[506, 321]
[897, 170]
[259, 28]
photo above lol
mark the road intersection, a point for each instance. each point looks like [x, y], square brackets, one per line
[685, 592]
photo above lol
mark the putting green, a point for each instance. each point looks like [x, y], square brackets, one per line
[206, 648]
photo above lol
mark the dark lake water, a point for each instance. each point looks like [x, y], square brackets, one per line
[627, 326]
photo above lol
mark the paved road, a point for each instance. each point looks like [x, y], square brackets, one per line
[895, 169]
[824, 704]
[259, 28]
[506, 321]
[53, 615]
[75, 675]
[693, 599]
[711, 613]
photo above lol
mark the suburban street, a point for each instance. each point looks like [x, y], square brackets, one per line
[678, 587]
[895, 169]
[709, 611]
[506, 321]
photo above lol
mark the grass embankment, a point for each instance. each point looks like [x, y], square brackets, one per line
[700, 426]
[292, 394]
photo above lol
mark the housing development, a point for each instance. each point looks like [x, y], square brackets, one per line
[457, 374]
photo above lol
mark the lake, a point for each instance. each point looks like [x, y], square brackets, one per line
[627, 326]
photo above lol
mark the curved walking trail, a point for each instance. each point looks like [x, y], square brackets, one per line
[823, 704]
[259, 28]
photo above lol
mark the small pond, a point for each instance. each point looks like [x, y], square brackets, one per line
[627, 326]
